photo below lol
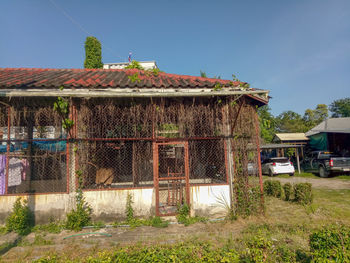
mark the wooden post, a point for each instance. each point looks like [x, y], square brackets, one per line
[298, 162]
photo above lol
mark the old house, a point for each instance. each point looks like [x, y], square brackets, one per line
[166, 139]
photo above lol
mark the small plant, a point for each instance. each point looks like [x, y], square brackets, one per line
[134, 77]
[184, 217]
[52, 227]
[129, 210]
[3, 230]
[21, 219]
[134, 64]
[273, 188]
[157, 222]
[98, 225]
[39, 240]
[81, 215]
[258, 250]
[229, 209]
[331, 244]
[303, 193]
[288, 189]
[217, 87]
[183, 214]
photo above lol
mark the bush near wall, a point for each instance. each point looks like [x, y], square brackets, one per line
[303, 193]
[21, 219]
[288, 191]
[273, 188]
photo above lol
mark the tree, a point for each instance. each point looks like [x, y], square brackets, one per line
[340, 108]
[93, 57]
[316, 116]
[290, 121]
[267, 124]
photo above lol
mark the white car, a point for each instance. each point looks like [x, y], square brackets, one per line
[277, 165]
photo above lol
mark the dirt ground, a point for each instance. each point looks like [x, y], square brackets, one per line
[89, 241]
[323, 183]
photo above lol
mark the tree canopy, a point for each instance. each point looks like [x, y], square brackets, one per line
[93, 53]
[340, 108]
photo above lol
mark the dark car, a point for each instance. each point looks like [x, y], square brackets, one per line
[325, 163]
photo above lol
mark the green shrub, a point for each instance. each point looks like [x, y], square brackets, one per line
[288, 189]
[247, 200]
[157, 222]
[183, 214]
[331, 244]
[78, 218]
[81, 215]
[21, 219]
[273, 188]
[285, 254]
[129, 210]
[184, 217]
[3, 230]
[258, 249]
[303, 193]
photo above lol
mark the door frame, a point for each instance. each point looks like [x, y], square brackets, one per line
[155, 147]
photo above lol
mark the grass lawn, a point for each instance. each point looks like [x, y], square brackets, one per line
[279, 235]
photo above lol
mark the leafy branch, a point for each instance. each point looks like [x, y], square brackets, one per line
[61, 106]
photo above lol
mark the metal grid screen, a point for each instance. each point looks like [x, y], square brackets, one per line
[32, 150]
[115, 164]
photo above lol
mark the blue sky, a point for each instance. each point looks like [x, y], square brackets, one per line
[299, 50]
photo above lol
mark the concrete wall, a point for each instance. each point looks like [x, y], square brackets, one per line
[45, 206]
[109, 205]
[209, 200]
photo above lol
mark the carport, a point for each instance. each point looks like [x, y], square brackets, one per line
[281, 147]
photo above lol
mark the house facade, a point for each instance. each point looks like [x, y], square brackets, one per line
[165, 139]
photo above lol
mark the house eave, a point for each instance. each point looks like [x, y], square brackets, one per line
[130, 92]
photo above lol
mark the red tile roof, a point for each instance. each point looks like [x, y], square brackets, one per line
[18, 78]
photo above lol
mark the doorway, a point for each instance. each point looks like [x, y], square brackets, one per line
[171, 176]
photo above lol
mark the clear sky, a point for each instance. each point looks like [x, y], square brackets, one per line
[299, 50]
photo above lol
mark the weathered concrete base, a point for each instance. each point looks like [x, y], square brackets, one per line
[109, 205]
[210, 200]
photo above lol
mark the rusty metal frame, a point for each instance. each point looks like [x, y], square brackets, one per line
[156, 172]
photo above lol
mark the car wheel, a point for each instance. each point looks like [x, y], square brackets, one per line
[322, 172]
[292, 174]
[270, 173]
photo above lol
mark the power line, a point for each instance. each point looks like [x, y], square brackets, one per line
[80, 26]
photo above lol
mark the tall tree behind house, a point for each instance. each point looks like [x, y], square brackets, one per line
[93, 53]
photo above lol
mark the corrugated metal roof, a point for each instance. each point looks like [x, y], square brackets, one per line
[280, 146]
[291, 136]
[336, 125]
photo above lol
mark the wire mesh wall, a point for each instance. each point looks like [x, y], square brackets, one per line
[207, 162]
[115, 163]
[113, 142]
[32, 150]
